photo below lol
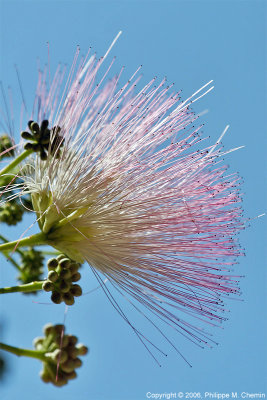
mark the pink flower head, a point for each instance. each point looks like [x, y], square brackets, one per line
[136, 194]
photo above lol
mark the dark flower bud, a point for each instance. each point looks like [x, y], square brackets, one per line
[68, 366]
[68, 299]
[77, 363]
[76, 277]
[74, 268]
[73, 352]
[27, 135]
[65, 274]
[52, 263]
[47, 286]
[64, 286]
[28, 146]
[56, 297]
[59, 328]
[76, 290]
[48, 329]
[71, 375]
[44, 125]
[44, 375]
[65, 262]
[34, 127]
[72, 340]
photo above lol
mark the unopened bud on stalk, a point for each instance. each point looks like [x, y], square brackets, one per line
[61, 353]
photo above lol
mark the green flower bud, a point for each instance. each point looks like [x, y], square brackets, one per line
[44, 375]
[72, 340]
[60, 257]
[52, 264]
[53, 276]
[48, 329]
[47, 286]
[77, 363]
[60, 380]
[65, 262]
[37, 342]
[71, 375]
[73, 352]
[62, 342]
[65, 274]
[82, 349]
[60, 356]
[68, 366]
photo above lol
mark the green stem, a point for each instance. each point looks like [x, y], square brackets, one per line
[15, 162]
[23, 352]
[27, 287]
[5, 240]
[34, 240]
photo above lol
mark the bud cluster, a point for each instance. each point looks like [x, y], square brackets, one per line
[11, 212]
[62, 273]
[31, 266]
[5, 144]
[42, 139]
[61, 352]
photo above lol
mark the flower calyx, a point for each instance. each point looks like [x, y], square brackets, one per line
[61, 355]
[63, 272]
[42, 139]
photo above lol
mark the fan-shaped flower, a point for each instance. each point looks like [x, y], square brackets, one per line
[135, 195]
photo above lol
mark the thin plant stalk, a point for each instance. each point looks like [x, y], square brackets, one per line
[40, 355]
[27, 287]
[15, 162]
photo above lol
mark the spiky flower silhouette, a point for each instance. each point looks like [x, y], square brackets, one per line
[136, 194]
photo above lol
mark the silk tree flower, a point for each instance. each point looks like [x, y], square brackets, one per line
[136, 194]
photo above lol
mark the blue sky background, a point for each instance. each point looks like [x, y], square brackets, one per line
[190, 42]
